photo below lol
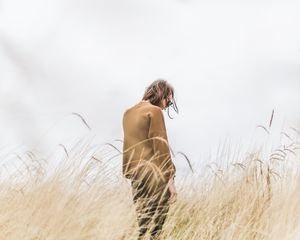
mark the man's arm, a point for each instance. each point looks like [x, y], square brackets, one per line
[161, 148]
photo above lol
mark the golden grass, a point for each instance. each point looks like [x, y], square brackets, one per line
[87, 198]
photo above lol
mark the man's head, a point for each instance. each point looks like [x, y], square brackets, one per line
[161, 94]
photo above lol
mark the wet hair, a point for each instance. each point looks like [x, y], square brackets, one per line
[157, 91]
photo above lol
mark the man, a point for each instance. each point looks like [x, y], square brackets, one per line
[147, 160]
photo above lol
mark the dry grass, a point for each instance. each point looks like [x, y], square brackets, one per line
[87, 198]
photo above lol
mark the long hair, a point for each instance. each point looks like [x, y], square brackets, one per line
[157, 91]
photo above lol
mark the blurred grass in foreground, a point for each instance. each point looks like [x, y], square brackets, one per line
[86, 198]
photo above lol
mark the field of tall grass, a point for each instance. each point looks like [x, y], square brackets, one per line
[85, 197]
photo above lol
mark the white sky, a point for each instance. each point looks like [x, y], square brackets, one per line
[230, 64]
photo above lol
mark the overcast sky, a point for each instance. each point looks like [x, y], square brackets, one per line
[230, 62]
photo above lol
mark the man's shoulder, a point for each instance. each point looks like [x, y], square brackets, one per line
[142, 107]
[155, 110]
[142, 110]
